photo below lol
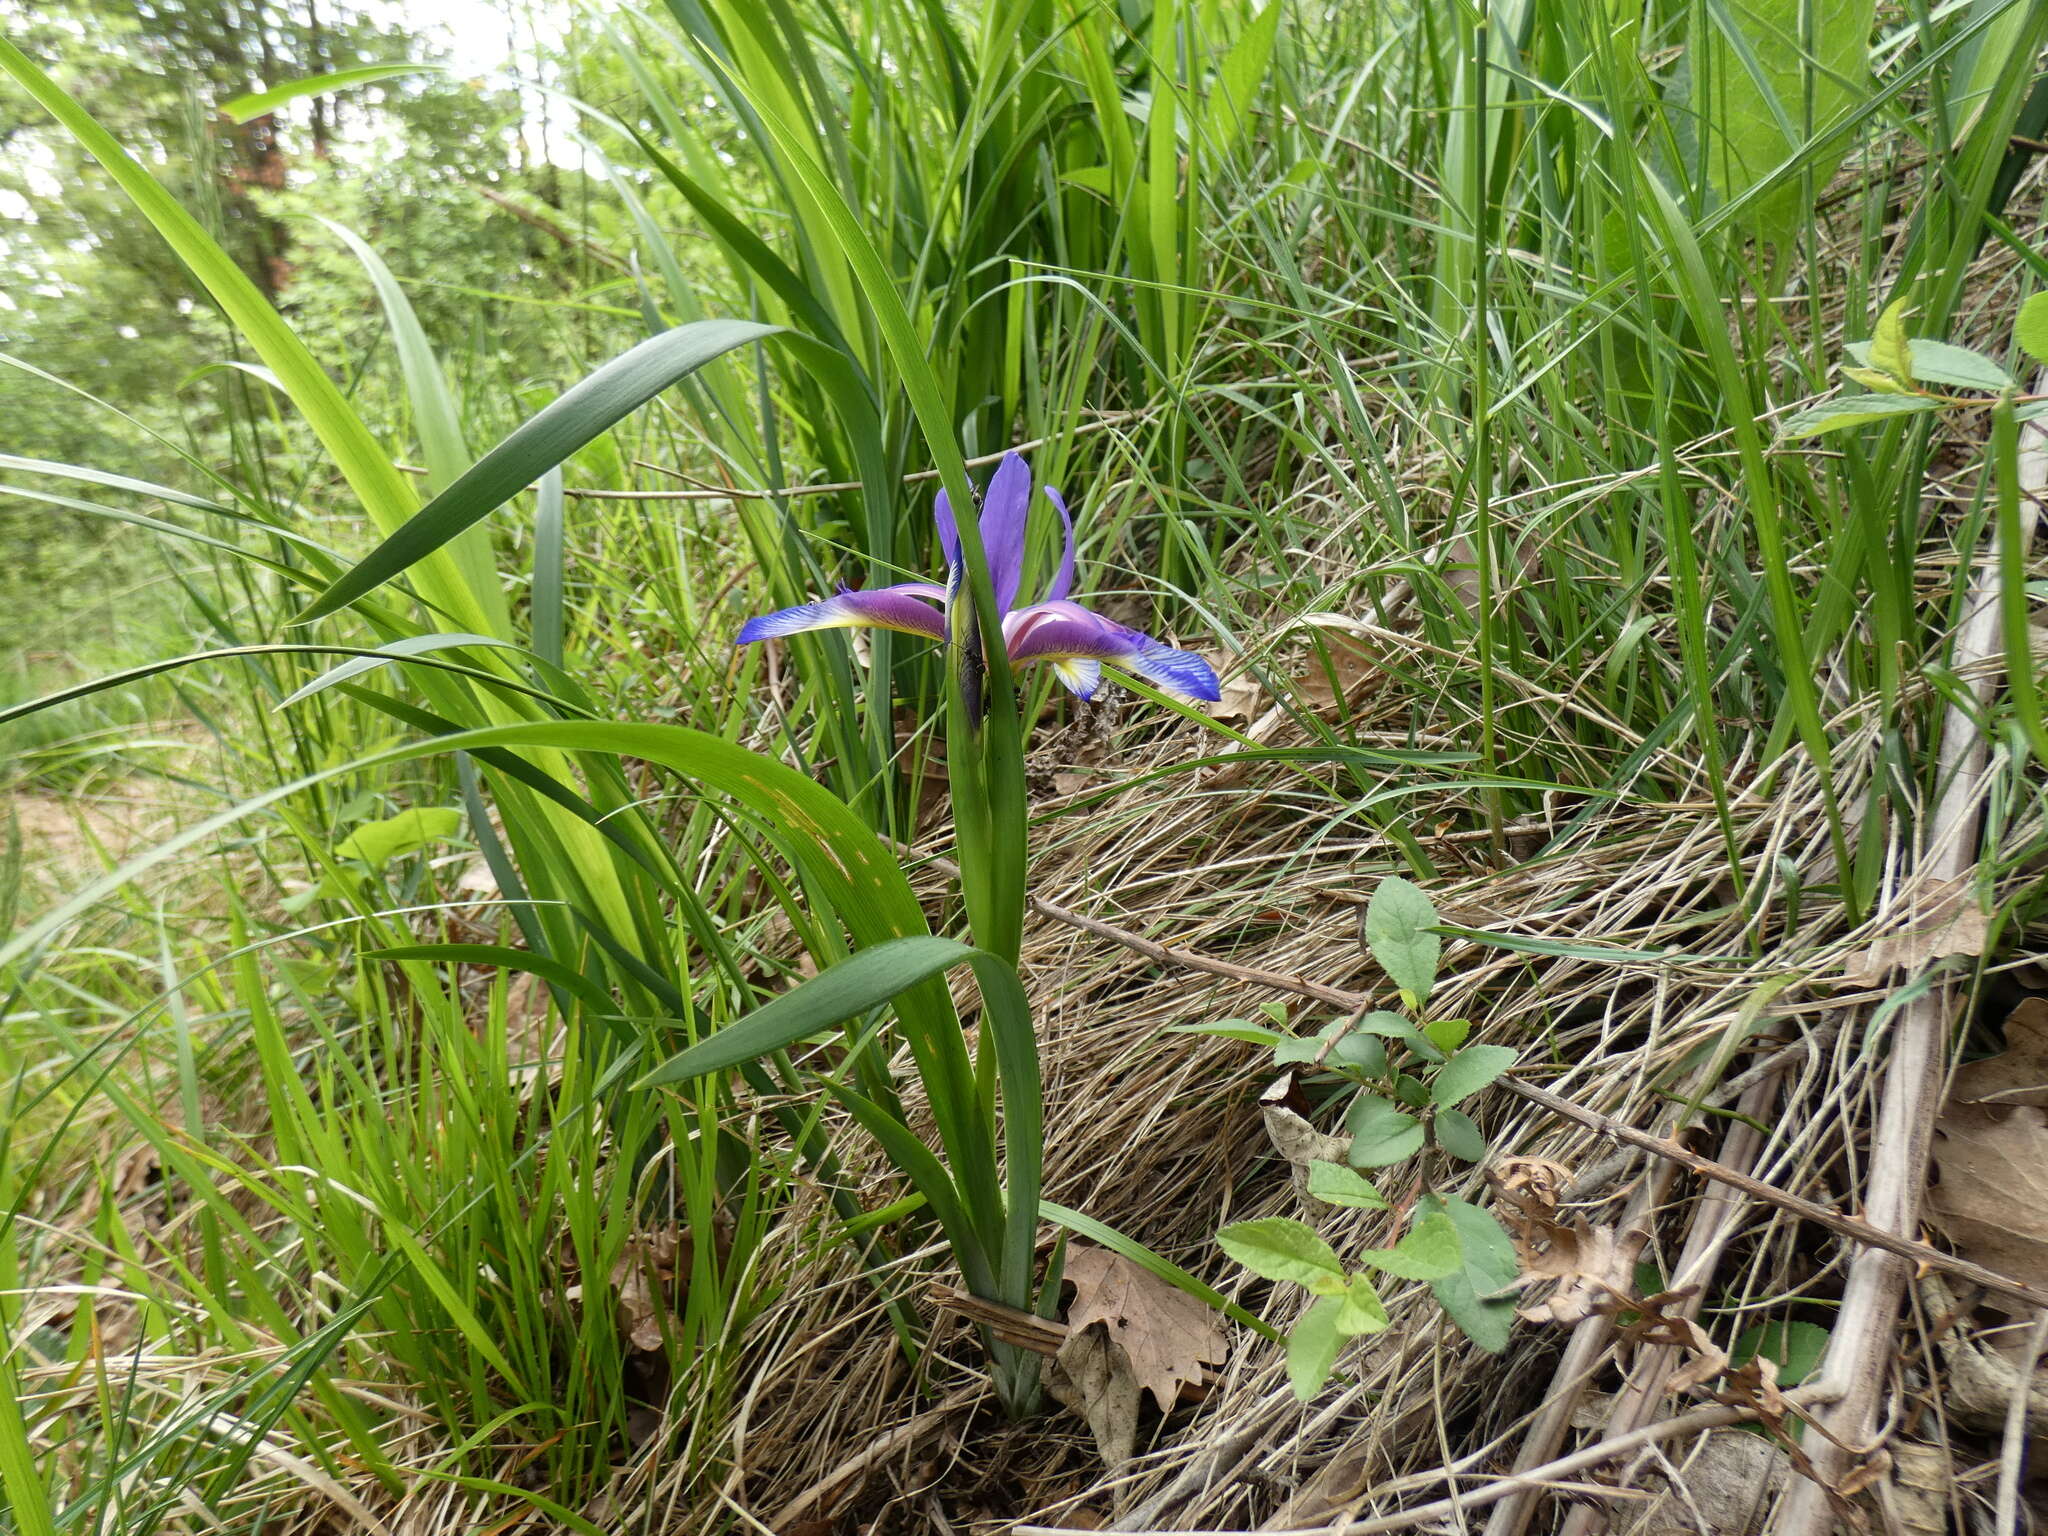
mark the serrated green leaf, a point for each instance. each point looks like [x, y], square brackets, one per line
[1934, 362]
[1457, 1135]
[1381, 1133]
[1360, 1309]
[1397, 924]
[1490, 1261]
[1890, 351]
[1279, 1249]
[1468, 1072]
[1293, 1050]
[1430, 1251]
[1237, 81]
[1334, 1184]
[377, 843]
[1846, 411]
[1312, 1348]
[2030, 328]
[1447, 1034]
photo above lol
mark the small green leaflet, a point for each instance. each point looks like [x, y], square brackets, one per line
[1279, 1249]
[1471, 1295]
[1457, 1135]
[1312, 1347]
[1468, 1072]
[1392, 1026]
[1398, 920]
[1890, 351]
[1938, 362]
[1335, 1184]
[1430, 1251]
[1852, 411]
[1360, 1310]
[2031, 329]
[377, 843]
[1381, 1133]
[1447, 1034]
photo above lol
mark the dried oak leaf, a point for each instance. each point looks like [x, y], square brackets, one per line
[2019, 1073]
[1992, 1198]
[1295, 1138]
[1593, 1265]
[1165, 1334]
[645, 1282]
[1939, 920]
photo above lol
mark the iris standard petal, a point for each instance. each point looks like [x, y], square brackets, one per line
[1061, 631]
[1005, 510]
[1063, 579]
[902, 608]
[949, 531]
[1081, 675]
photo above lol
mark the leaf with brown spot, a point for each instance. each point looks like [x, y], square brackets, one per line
[1166, 1334]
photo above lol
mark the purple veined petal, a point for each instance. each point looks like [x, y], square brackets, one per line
[1081, 675]
[1063, 579]
[901, 608]
[1060, 630]
[1005, 511]
[949, 531]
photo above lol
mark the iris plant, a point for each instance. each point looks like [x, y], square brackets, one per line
[1075, 641]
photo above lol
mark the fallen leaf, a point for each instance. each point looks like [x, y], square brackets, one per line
[2019, 1073]
[644, 1284]
[1165, 1334]
[1093, 1376]
[1992, 1197]
[1342, 673]
[1295, 1139]
[1938, 921]
[1594, 1266]
[1243, 700]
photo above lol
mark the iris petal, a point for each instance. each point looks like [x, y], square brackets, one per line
[1081, 675]
[903, 608]
[1005, 509]
[1060, 631]
[1063, 580]
[949, 531]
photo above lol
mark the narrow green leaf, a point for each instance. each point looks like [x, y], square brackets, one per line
[1238, 79]
[1468, 1072]
[1230, 1029]
[1934, 362]
[1280, 1249]
[561, 427]
[245, 109]
[1397, 924]
[1154, 1264]
[387, 655]
[1312, 1348]
[857, 985]
[377, 843]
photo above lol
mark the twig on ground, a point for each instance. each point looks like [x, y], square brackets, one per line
[2012, 1450]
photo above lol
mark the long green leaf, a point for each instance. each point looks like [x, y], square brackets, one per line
[561, 427]
[245, 109]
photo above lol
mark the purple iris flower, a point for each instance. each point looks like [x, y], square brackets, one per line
[1054, 630]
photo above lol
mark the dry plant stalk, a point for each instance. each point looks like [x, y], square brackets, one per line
[1860, 1347]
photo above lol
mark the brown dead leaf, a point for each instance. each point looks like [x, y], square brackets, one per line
[2019, 1073]
[1243, 700]
[1939, 920]
[645, 1282]
[1594, 1266]
[1342, 674]
[1294, 1138]
[1992, 1198]
[1092, 1375]
[1165, 1334]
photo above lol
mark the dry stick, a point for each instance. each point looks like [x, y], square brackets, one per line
[1536, 1477]
[1851, 1227]
[2012, 1451]
[1861, 1342]
[1715, 1222]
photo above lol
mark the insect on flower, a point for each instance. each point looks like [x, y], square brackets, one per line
[1075, 641]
